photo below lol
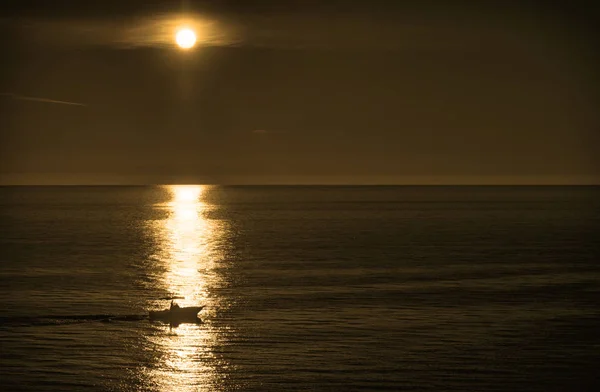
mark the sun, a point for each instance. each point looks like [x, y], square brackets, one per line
[185, 38]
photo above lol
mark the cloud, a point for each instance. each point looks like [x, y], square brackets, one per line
[39, 99]
[281, 29]
[144, 31]
[266, 132]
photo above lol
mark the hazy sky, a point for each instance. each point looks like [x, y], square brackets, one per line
[298, 92]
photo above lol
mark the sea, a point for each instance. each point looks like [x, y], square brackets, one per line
[304, 288]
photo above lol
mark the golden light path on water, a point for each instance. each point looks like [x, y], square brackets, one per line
[190, 252]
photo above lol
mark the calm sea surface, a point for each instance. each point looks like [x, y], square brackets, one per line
[304, 288]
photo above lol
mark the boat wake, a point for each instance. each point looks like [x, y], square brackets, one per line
[32, 321]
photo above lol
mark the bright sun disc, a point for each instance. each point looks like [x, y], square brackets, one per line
[185, 38]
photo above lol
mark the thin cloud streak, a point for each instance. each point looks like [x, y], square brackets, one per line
[143, 32]
[278, 31]
[39, 99]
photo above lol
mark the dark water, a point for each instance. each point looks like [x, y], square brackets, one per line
[305, 288]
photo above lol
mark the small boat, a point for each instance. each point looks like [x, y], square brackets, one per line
[176, 314]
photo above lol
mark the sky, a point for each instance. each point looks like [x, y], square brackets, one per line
[298, 92]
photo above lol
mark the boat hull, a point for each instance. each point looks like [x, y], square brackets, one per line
[176, 315]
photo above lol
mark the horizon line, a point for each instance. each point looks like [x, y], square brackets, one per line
[298, 185]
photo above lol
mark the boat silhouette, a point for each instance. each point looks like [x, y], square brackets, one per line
[176, 314]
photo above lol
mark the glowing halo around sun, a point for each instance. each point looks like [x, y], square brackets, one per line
[185, 38]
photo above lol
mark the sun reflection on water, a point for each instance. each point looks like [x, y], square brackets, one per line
[189, 251]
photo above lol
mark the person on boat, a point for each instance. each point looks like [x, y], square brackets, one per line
[173, 306]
